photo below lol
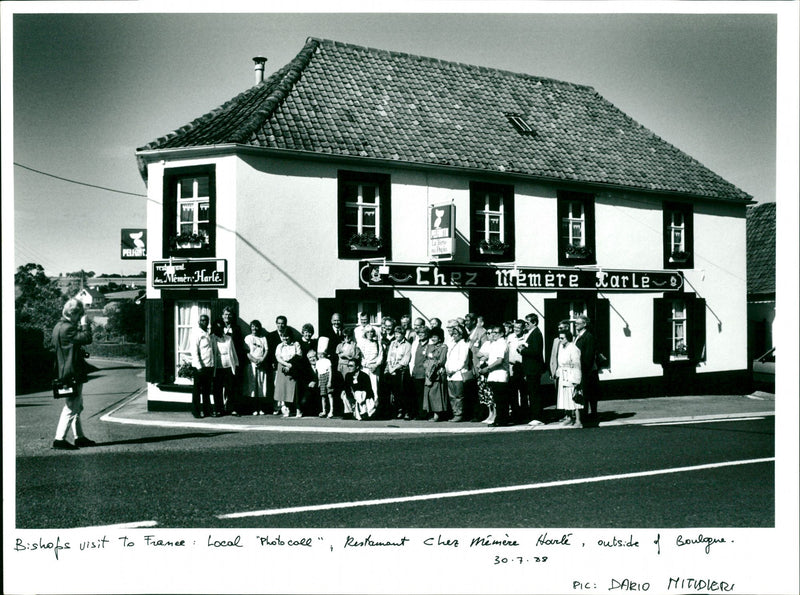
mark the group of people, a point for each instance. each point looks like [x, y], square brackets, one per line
[459, 371]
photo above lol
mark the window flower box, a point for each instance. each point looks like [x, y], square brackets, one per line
[365, 242]
[492, 247]
[578, 252]
[680, 352]
[680, 256]
[190, 240]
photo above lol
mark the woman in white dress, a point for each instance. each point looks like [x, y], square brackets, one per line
[372, 356]
[288, 355]
[569, 378]
[256, 374]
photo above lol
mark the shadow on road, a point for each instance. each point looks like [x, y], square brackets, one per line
[165, 438]
[122, 367]
[606, 416]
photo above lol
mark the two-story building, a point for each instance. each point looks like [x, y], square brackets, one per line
[357, 179]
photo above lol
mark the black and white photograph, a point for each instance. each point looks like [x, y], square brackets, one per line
[425, 298]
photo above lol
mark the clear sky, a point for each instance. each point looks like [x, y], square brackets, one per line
[90, 88]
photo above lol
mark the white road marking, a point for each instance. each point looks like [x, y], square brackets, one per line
[133, 525]
[701, 421]
[465, 493]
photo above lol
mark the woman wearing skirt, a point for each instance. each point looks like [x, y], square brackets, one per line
[569, 378]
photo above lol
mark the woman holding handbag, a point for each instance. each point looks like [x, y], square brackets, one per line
[70, 334]
[569, 379]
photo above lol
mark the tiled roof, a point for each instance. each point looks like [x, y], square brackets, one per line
[761, 248]
[345, 100]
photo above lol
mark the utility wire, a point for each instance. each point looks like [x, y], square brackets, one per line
[44, 173]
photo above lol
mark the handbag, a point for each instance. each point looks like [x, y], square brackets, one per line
[64, 388]
[578, 397]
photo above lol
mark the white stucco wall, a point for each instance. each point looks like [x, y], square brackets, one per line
[277, 227]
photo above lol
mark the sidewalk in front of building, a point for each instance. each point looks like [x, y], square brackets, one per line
[654, 410]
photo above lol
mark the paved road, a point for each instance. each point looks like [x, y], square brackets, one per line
[206, 477]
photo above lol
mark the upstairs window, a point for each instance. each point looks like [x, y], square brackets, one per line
[189, 207]
[364, 215]
[492, 222]
[678, 236]
[576, 229]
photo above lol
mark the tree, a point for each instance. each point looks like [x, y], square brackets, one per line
[38, 300]
[125, 320]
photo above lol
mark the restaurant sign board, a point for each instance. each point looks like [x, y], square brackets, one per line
[453, 276]
[212, 272]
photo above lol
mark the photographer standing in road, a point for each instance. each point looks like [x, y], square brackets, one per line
[70, 334]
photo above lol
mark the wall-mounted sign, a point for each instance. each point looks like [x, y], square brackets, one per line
[134, 244]
[453, 276]
[211, 272]
[441, 231]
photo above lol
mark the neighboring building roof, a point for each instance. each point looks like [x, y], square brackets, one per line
[761, 249]
[130, 294]
[94, 293]
[345, 100]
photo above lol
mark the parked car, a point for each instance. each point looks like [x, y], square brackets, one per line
[764, 371]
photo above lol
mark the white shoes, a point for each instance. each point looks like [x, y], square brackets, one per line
[535, 423]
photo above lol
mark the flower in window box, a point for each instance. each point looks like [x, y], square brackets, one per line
[493, 246]
[190, 240]
[365, 241]
[187, 370]
[680, 256]
[680, 351]
[578, 251]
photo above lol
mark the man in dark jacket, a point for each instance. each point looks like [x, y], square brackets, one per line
[590, 384]
[533, 366]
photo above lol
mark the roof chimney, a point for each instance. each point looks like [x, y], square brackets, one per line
[259, 68]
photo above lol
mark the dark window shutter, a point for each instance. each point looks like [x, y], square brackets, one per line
[602, 329]
[218, 305]
[510, 223]
[154, 337]
[555, 311]
[396, 307]
[697, 329]
[561, 213]
[326, 307]
[588, 209]
[168, 337]
[661, 331]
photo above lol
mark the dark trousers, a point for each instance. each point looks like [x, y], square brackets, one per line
[472, 407]
[591, 392]
[518, 394]
[398, 389]
[500, 392]
[201, 392]
[416, 395]
[223, 387]
[533, 383]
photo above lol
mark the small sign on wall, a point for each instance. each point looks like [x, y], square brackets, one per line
[441, 231]
[134, 244]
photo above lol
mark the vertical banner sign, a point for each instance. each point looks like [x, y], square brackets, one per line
[134, 244]
[441, 231]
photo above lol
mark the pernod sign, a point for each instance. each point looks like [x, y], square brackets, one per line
[190, 273]
[436, 276]
[134, 244]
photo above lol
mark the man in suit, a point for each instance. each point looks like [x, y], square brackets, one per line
[585, 341]
[231, 328]
[531, 351]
